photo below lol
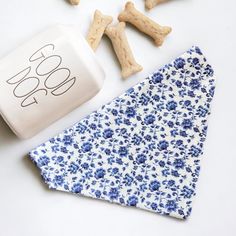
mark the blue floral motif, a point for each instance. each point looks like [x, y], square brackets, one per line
[141, 158]
[178, 84]
[136, 140]
[98, 193]
[85, 166]
[208, 70]
[43, 161]
[144, 148]
[123, 151]
[163, 145]
[154, 206]
[157, 78]
[114, 193]
[187, 124]
[132, 201]
[202, 111]
[187, 192]
[68, 140]
[179, 63]
[77, 188]
[58, 180]
[178, 163]
[130, 112]
[144, 100]
[81, 128]
[171, 205]
[195, 151]
[86, 147]
[150, 119]
[171, 105]
[59, 159]
[108, 133]
[114, 112]
[128, 180]
[154, 185]
[195, 61]
[195, 84]
[73, 168]
[99, 173]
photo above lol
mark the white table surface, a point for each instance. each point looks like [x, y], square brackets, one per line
[28, 208]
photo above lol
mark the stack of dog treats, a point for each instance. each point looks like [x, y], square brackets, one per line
[116, 33]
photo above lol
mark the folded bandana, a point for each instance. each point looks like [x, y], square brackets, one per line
[144, 148]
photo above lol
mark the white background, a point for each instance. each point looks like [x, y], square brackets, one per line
[28, 208]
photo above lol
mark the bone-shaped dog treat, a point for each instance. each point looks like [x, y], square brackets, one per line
[144, 24]
[122, 49]
[97, 29]
[74, 2]
[152, 3]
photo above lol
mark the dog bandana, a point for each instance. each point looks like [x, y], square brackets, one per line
[144, 148]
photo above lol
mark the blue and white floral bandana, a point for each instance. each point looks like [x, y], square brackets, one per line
[144, 148]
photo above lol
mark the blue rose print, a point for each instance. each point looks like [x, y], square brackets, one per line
[132, 201]
[187, 103]
[114, 193]
[59, 159]
[202, 111]
[130, 112]
[208, 70]
[195, 84]
[195, 151]
[163, 145]
[187, 124]
[171, 205]
[141, 158]
[99, 173]
[136, 140]
[67, 140]
[171, 105]
[73, 168]
[150, 119]
[144, 100]
[157, 78]
[187, 192]
[128, 180]
[85, 166]
[195, 61]
[98, 193]
[108, 133]
[178, 163]
[123, 151]
[179, 63]
[154, 206]
[77, 188]
[43, 161]
[154, 185]
[58, 180]
[86, 147]
[114, 112]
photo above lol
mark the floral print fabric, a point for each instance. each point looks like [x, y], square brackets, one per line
[144, 148]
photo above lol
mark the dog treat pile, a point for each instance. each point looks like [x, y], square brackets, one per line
[116, 33]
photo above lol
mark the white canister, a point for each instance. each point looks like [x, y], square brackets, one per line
[46, 78]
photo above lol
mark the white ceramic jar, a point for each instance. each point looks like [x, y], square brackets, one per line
[46, 78]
